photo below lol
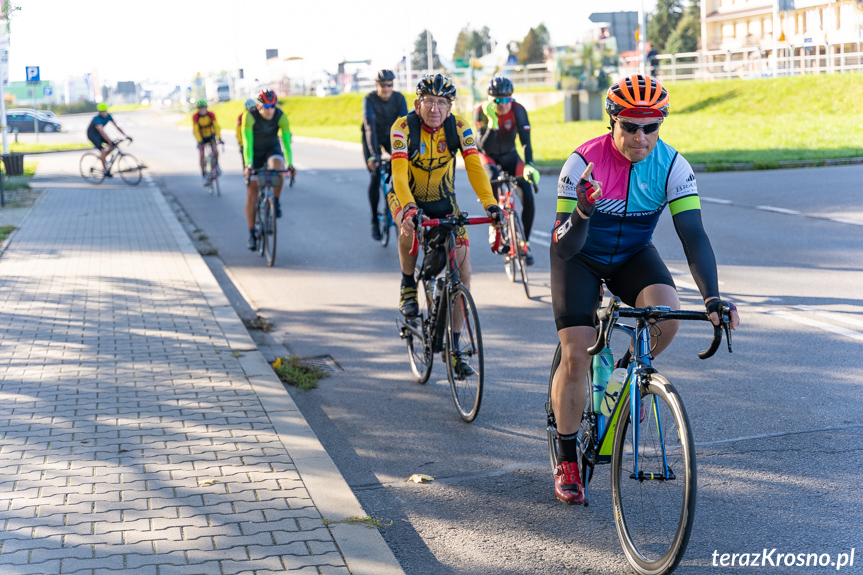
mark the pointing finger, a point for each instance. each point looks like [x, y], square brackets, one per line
[587, 171]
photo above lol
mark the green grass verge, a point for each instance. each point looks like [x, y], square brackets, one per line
[762, 122]
[22, 182]
[33, 147]
[5, 231]
[370, 522]
[292, 371]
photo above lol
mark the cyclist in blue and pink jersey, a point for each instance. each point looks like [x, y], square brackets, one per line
[611, 193]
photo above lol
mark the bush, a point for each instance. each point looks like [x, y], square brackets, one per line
[81, 107]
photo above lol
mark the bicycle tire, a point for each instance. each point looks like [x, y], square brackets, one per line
[260, 217]
[584, 467]
[382, 219]
[655, 545]
[91, 168]
[419, 344]
[270, 231]
[519, 239]
[216, 186]
[129, 169]
[466, 390]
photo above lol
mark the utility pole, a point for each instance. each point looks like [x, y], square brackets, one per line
[642, 37]
[4, 61]
[429, 56]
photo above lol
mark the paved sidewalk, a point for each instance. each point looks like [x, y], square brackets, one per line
[140, 431]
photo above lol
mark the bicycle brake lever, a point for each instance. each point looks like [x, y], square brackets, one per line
[726, 321]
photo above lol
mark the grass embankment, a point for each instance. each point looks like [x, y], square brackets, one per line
[764, 122]
[32, 148]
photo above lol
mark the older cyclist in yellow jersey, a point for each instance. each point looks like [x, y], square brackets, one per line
[423, 169]
[207, 133]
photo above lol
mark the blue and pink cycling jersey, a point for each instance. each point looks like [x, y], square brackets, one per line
[633, 195]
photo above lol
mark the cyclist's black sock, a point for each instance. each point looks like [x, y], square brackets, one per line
[276, 200]
[455, 335]
[252, 232]
[408, 280]
[568, 448]
[375, 194]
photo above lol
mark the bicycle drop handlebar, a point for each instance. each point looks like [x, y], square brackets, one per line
[609, 316]
[461, 219]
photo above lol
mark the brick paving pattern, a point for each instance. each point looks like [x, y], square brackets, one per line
[130, 440]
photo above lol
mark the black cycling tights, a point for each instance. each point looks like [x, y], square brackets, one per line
[375, 192]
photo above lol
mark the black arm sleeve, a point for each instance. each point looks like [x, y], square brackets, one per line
[369, 127]
[569, 235]
[403, 106]
[523, 125]
[699, 253]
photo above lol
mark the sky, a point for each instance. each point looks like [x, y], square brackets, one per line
[172, 40]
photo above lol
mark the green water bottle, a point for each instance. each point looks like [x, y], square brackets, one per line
[603, 365]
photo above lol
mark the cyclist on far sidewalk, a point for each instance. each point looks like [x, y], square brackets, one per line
[207, 133]
[97, 135]
[498, 122]
[381, 108]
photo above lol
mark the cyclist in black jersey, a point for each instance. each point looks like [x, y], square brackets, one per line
[381, 108]
[498, 122]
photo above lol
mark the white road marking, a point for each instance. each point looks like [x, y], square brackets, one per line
[541, 233]
[845, 221]
[850, 320]
[778, 210]
[715, 200]
[829, 327]
[539, 242]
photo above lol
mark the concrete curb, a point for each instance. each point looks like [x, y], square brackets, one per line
[364, 550]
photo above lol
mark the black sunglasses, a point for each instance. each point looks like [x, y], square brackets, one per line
[631, 127]
[386, 84]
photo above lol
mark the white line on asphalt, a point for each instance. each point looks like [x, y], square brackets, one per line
[844, 221]
[772, 435]
[778, 210]
[856, 335]
[540, 242]
[715, 200]
[541, 233]
[850, 320]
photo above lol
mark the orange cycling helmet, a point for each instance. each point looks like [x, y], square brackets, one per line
[637, 96]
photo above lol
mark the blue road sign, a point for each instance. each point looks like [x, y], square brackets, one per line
[33, 73]
[47, 91]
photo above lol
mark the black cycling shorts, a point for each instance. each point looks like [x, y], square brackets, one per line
[207, 139]
[260, 158]
[575, 284]
[98, 141]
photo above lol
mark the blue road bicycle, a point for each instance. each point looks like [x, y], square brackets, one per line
[384, 217]
[647, 440]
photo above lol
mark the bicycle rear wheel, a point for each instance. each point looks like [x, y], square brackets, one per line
[419, 345]
[129, 169]
[260, 218]
[464, 365]
[269, 230]
[383, 217]
[91, 168]
[654, 508]
[214, 174]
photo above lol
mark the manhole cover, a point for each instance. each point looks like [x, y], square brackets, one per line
[325, 363]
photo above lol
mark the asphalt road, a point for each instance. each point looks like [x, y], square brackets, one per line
[778, 424]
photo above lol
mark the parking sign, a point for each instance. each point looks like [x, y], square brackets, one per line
[33, 73]
[47, 91]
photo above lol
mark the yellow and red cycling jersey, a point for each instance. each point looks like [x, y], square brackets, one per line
[206, 126]
[430, 177]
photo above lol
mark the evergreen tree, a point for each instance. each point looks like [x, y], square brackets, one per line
[472, 43]
[688, 32]
[663, 22]
[419, 59]
[530, 51]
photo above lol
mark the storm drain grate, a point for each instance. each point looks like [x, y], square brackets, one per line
[325, 363]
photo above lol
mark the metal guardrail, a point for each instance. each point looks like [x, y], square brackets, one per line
[752, 62]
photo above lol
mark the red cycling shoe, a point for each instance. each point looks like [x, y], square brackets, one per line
[567, 484]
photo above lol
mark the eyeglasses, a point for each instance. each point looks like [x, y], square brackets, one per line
[431, 103]
[385, 84]
[506, 100]
[632, 128]
[268, 106]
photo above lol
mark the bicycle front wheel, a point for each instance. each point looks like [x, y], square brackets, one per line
[464, 356]
[269, 231]
[654, 504]
[129, 169]
[91, 168]
[517, 235]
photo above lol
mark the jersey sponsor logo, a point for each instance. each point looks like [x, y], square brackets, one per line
[685, 189]
[507, 125]
[400, 155]
[398, 145]
[468, 141]
[422, 148]
[441, 147]
[398, 135]
[526, 128]
[403, 125]
[459, 124]
[566, 188]
[469, 151]
[467, 133]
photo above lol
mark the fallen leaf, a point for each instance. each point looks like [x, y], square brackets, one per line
[278, 363]
[210, 482]
[420, 478]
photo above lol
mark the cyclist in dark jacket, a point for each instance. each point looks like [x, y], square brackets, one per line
[380, 109]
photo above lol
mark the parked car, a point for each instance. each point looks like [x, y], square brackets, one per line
[47, 113]
[24, 121]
